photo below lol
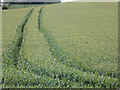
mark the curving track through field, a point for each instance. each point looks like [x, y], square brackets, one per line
[35, 59]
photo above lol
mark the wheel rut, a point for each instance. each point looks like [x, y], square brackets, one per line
[11, 56]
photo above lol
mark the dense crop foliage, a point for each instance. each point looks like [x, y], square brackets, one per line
[87, 36]
[84, 36]
[63, 45]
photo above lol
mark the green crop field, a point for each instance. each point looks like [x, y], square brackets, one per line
[61, 46]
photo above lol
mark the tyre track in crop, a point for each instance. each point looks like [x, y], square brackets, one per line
[11, 56]
[61, 56]
[29, 66]
[25, 65]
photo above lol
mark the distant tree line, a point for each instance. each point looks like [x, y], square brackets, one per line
[5, 6]
[34, 2]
